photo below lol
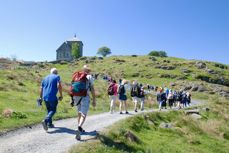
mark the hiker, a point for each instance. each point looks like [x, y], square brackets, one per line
[188, 98]
[142, 97]
[112, 92]
[179, 99]
[161, 98]
[122, 96]
[175, 98]
[50, 85]
[120, 81]
[134, 92]
[170, 99]
[82, 85]
[185, 99]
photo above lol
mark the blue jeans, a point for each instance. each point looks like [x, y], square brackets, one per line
[51, 110]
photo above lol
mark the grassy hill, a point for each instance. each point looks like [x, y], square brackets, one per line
[19, 84]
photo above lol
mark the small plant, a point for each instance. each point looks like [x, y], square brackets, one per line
[19, 115]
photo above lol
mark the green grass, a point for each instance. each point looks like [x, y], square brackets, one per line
[19, 86]
[209, 134]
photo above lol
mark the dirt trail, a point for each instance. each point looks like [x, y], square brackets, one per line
[60, 138]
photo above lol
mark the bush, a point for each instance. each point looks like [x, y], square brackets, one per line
[158, 53]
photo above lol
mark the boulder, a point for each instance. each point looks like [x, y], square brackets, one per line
[200, 65]
[193, 111]
[166, 125]
[187, 87]
[195, 116]
[195, 87]
[210, 71]
[206, 109]
[131, 137]
[184, 70]
[165, 67]
[201, 89]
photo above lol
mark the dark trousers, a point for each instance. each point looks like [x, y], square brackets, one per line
[51, 110]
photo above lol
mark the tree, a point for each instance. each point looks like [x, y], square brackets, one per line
[75, 50]
[104, 51]
[158, 53]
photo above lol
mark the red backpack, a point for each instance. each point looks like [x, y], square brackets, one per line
[79, 84]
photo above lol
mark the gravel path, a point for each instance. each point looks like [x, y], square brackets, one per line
[60, 138]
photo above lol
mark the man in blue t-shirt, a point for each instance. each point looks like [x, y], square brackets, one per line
[50, 85]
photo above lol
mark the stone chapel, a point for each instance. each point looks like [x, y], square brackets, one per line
[64, 52]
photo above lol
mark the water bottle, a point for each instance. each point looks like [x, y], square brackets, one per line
[39, 102]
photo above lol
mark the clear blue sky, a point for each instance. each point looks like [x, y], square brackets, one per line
[191, 29]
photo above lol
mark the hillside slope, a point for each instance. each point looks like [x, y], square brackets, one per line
[19, 83]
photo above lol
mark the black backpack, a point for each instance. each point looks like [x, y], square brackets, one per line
[121, 90]
[134, 91]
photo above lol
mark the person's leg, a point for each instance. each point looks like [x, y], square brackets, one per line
[82, 120]
[114, 105]
[160, 104]
[51, 107]
[83, 108]
[135, 104]
[120, 106]
[125, 107]
[111, 104]
[142, 104]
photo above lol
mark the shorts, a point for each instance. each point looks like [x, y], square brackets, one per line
[135, 99]
[122, 97]
[84, 105]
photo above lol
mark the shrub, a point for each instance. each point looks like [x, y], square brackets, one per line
[158, 53]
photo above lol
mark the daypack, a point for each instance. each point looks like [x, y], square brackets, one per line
[79, 83]
[142, 93]
[134, 91]
[170, 96]
[161, 97]
[121, 90]
[110, 90]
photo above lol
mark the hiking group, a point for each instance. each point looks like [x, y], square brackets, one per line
[119, 91]
[138, 91]
[81, 86]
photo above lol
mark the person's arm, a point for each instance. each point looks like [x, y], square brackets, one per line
[93, 96]
[60, 91]
[41, 92]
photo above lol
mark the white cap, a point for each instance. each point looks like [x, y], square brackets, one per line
[53, 71]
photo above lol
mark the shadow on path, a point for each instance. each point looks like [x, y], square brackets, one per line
[62, 130]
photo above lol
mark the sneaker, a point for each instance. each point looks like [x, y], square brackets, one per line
[81, 129]
[127, 112]
[78, 137]
[51, 126]
[44, 124]
[121, 113]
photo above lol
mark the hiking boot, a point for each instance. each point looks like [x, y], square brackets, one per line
[121, 113]
[127, 112]
[136, 110]
[44, 124]
[78, 137]
[81, 129]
